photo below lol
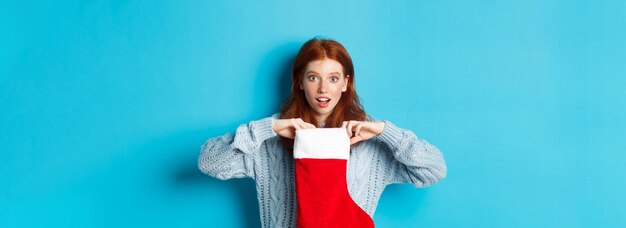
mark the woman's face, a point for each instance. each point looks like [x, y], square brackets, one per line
[323, 84]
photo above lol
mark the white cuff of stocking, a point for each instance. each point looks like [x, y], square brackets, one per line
[321, 143]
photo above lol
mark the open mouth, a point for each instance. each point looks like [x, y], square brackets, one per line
[323, 101]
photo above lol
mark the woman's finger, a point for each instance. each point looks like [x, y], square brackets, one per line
[295, 124]
[355, 139]
[307, 125]
[351, 124]
[357, 131]
[302, 124]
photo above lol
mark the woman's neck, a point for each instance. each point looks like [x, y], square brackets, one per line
[322, 123]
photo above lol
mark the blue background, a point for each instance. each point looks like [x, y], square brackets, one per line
[104, 106]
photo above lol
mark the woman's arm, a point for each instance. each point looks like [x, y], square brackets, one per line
[232, 156]
[414, 160]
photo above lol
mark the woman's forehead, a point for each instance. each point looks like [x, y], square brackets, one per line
[324, 66]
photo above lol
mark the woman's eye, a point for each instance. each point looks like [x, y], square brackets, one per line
[313, 77]
[334, 79]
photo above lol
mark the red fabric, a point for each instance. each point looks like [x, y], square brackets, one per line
[322, 195]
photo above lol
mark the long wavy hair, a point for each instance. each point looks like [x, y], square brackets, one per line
[296, 106]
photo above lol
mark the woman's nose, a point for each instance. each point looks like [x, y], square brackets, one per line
[322, 87]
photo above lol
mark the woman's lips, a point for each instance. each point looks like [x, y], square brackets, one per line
[322, 104]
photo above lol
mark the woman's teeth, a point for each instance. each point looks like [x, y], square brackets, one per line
[323, 99]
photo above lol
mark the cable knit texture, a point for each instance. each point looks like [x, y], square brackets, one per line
[394, 156]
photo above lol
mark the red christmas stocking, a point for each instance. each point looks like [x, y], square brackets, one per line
[321, 156]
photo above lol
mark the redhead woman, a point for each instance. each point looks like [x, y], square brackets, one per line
[322, 95]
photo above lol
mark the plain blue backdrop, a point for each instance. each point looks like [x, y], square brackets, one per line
[104, 106]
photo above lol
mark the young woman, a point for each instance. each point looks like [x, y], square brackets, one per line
[322, 96]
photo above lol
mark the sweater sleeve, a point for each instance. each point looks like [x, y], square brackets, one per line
[414, 160]
[232, 156]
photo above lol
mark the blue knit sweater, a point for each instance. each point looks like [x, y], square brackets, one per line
[395, 156]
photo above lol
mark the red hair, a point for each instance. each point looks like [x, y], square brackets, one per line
[296, 106]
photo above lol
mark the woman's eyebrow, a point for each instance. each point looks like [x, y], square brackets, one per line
[312, 71]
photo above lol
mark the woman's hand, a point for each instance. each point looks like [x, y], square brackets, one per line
[287, 127]
[363, 130]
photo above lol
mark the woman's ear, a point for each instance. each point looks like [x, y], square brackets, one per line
[345, 85]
